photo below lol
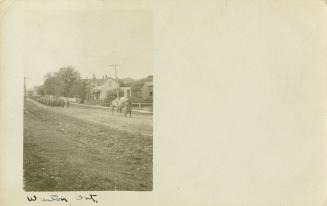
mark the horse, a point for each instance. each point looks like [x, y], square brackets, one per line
[118, 103]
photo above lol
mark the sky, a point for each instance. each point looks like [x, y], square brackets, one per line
[90, 41]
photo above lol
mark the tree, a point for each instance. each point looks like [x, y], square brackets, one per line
[40, 90]
[52, 85]
[112, 94]
[68, 78]
[62, 83]
[82, 89]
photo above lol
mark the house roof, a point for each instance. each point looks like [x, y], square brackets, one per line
[97, 88]
[100, 82]
[124, 82]
[148, 83]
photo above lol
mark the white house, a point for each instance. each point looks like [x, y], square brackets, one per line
[102, 86]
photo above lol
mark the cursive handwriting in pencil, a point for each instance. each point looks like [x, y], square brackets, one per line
[90, 197]
[55, 198]
[63, 199]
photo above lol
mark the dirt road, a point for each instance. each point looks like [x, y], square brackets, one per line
[67, 149]
[138, 123]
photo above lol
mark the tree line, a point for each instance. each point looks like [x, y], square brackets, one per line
[66, 82]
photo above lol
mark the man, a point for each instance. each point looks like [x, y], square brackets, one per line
[112, 108]
[67, 102]
[128, 109]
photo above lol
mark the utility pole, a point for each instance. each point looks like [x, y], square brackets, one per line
[115, 67]
[25, 95]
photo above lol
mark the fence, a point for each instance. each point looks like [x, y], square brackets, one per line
[137, 105]
[143, 106]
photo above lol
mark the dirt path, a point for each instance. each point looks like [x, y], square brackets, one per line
[137, 124]
[72, 150]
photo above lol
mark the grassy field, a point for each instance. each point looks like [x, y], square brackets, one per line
[69, 150]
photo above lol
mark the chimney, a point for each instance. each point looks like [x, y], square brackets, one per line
[106, 77]
[93, 76]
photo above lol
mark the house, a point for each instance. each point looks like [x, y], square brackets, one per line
[105, 88]
[147, 90]
[31, 92]
[100, 87]
[127, 91]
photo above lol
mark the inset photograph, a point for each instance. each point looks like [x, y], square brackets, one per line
[88, 100]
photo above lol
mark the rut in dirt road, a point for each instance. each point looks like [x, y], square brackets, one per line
[64, 152]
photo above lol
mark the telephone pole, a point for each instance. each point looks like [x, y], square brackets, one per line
[25, 86]
[115, 67]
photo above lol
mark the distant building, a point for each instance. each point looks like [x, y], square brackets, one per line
[100, 87]
[147, 90]
[127, 91]
[105, 88]
[31, 92]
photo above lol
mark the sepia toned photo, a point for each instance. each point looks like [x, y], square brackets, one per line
[88, 100]
[186, 103]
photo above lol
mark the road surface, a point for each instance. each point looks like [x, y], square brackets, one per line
[138, 123]
[82, 149]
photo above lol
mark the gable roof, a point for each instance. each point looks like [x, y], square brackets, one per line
[100, 82]
[148, 83]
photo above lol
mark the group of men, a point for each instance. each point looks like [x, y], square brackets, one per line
[125, 107]
[51, 101]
